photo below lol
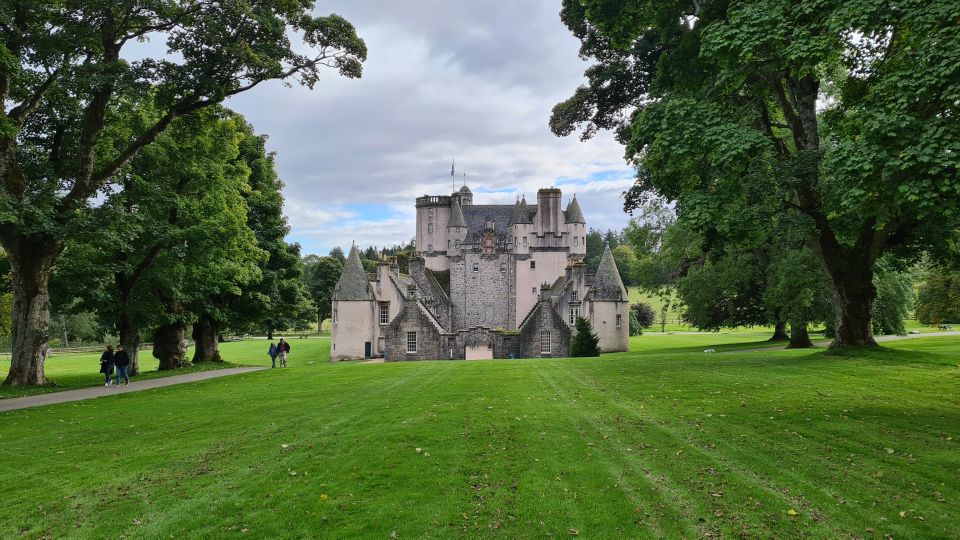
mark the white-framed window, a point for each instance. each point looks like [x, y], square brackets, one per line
[573, 296]
[545, 338]
[574, 313]
[503, 268]
[619, 320]
[430, 247]
[384, 313]
[429, 227]
[411, 342]
[430, 212]
[476, 267]
[491, 224]
[524, 240]
[516, 240]
[576, 240]
[334, 314]
[533, 265]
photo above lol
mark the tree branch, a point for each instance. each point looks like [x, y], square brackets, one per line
[21, 112]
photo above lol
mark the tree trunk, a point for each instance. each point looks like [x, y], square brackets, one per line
[169, 346]
[206, 333]
[63, 327]
[31, 262]
[270, 332]
[319, 322]
[799, 337]
[851, 280]
[130, 339]
[780, 332]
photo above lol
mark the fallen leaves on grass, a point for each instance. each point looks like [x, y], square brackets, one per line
[791, 512]
[573, 532]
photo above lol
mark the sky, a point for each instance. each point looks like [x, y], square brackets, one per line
[445, 80]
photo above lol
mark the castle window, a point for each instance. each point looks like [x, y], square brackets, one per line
[533, 265]
[384, 313]
[476, 267]
[491, 224]
[524, 240]
[457, 243]
[576, 240]
[574, 313]
[449, 243]
[430, 247]
[503, 268]
[619, 320]
[334, 314]
[545, 342]
[573, 296]
[533, 290]
[430, 212]
[429, 227]
[411, 342]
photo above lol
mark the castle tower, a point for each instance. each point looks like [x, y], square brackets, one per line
[549, 214]
[433, 215]
[609, 305]
[521, 227]
[576, 228]
[456, 229]
[353, 334]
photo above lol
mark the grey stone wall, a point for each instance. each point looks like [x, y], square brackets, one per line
[431, 343]
[481, 298]
[544, 318]
[433, 296]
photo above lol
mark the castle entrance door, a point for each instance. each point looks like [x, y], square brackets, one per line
[481, 352]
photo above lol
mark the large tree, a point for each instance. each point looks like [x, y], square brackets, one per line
[66, 87]
[173, 237]
[844, 112]
[320, 276]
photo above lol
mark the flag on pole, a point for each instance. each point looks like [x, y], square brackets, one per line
[452, 163]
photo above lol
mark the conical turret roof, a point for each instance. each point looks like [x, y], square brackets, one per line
[353, 284]
[607, 284]
[456, 216]
[573, 213]
[521, 214]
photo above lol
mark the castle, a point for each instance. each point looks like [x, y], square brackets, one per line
[486, 281]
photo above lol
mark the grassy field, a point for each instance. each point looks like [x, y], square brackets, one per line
[664, 441]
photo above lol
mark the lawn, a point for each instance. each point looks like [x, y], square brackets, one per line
[665, 441]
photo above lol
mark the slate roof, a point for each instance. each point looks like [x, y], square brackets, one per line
[573, 213]
[476, 217]
[353, 283]
[521, 213]
[607, 284]
[465, 189]
[456, 216]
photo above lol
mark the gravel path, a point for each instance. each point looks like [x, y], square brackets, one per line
[39, 400]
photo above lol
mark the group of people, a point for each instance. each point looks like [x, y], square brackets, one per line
[117, 360]
[279, 350]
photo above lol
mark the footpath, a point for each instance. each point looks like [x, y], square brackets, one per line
[39, 400]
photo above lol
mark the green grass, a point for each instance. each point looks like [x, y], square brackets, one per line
[72, 371]
[659, 442]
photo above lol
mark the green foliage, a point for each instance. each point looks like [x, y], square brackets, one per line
[643, 313]
[636, 329]
[585, 342]
[627, 263]
[717, 105]
[320, 276]
[938, 297]
[895, 298]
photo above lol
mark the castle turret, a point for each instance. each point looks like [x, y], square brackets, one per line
[433, 214]
[521, 229]
[576, 228]
[353, 330]
[609, 305]
[456, 229]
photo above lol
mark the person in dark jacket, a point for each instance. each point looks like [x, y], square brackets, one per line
[284, 348]
[106, 364]
[122, 360]
[273, 352]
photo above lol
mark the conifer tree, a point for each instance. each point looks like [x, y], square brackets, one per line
[586, 342]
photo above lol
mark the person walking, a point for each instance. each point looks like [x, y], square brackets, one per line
[121, 359]
[284, 351]
[273, 352]
[106, 364]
